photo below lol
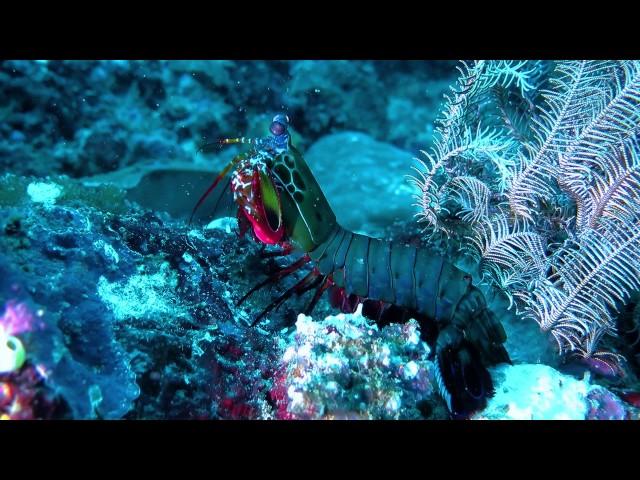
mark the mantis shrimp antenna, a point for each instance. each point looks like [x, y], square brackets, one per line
[223, 173]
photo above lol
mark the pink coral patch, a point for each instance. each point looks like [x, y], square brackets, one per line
[16, 319]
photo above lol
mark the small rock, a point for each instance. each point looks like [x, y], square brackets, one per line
[363, 180]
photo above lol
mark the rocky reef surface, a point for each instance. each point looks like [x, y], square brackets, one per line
[83, 118]
[135, 311]
[127, 313]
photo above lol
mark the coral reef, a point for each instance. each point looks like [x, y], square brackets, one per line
[346, 368]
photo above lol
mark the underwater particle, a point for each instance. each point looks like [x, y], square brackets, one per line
[45, 193]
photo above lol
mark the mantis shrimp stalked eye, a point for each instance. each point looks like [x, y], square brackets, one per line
[279, 198]
[279, 125]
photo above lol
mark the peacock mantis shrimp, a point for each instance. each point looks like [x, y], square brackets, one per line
[279, 199]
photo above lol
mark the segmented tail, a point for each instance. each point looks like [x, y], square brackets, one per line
[469, 338]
